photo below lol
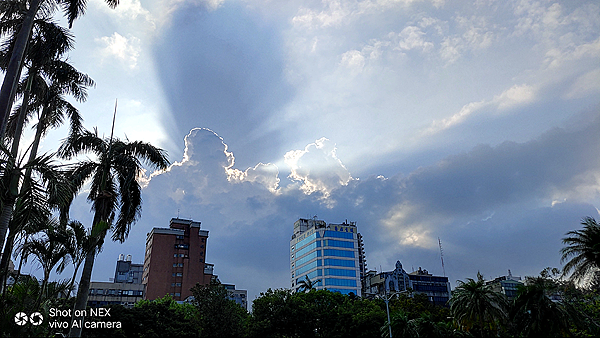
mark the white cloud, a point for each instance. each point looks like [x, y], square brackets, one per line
[126, 49]
[584, 85]
[515, 96]
[318, 168]
[353, 59]
[411, 37]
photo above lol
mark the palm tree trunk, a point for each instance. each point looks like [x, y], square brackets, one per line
[82, 292]
[10, 241]
[13, 188]
[13, 72]
[72, 282]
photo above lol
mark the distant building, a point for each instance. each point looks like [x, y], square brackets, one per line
[507, 285]
[175, 260]
[239, 296]
[106, 293]
[126, 289]
[330, 255]
[436, 288]
[127, 272]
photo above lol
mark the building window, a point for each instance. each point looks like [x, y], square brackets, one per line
[177, 284]
[174, 265]
[177, 294]
[179, 274]
[179, 236]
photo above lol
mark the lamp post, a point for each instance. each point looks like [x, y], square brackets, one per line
[386, 298]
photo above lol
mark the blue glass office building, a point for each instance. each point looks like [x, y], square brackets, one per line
[330, 254]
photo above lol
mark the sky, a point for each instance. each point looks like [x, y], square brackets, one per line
[471, 122]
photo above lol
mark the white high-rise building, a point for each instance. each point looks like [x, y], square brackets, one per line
[330, 255]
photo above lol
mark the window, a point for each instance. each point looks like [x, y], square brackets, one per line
[177, 284]
[329, 233]
[179, 236]
[340, 272]
[177, 294]
[339, 262]
[338, 253]
[339, 244]
[174, 265]
[179, 274]
[340, 282]
[175, 255]
[99, 292]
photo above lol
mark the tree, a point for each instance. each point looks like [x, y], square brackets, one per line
[401, 325]
[219, 315]
[275, 314]
[72, 9]
[114, 191]
[582, 250]
[308, 285]
[48, 43]
[535, 314]
[81, 243]
[49, 251]
[475, 305]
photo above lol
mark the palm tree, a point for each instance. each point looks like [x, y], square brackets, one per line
[47, 44]
[49, 251]
[535, 314]
[36, 201]
[49, 78]
[14, 9]
[476, 305]
[582, 250]
[307, 285]
[81, 243]
[401, 326]
[114, 191]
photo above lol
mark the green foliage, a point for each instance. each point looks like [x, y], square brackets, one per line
[582, 250]
[219, 315]
[476, 306]
[317, 313]
[26, 296]
[162, 317]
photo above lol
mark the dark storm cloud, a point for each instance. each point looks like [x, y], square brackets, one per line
[223, 69]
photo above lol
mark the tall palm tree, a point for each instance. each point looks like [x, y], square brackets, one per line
[49, 78]
[48, 43]
[476, 305]
[535, 314]
[72, 9]
[114, 191]
[582, 250]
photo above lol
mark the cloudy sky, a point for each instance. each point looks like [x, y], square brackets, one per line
[475, 122]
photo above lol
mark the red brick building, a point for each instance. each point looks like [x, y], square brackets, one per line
[174, 260]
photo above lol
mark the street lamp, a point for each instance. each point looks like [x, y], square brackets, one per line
[386, 298]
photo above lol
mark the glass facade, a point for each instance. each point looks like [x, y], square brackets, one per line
[326, 254]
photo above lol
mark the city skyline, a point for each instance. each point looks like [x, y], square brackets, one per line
[474, 122]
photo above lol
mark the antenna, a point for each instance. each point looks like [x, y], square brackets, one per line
[442, 256]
